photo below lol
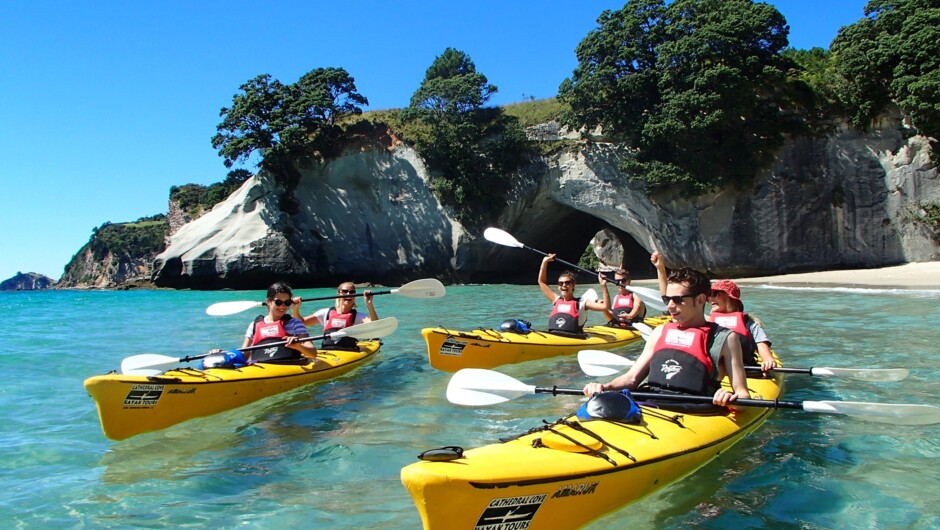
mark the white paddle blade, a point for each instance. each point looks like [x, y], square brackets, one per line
[643, 328]
[589, 296]
[426, 288]
[148, 364]
[500, 237]
[598, 363]
[374, 329]
[864, 374]
[478, 387]
[650, 297]
[230, 308]
[893, 413]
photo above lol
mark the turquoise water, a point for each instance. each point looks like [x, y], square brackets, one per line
[329, 455]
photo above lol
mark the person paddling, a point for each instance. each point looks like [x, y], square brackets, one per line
[568, 317]
[277, 326]
[688, 355]
[626, 307]
[342, 315]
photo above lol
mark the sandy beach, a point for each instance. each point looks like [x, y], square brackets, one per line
[925, 275]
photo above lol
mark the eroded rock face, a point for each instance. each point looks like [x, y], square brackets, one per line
[840, 201]
[365, 216]
[29, 281]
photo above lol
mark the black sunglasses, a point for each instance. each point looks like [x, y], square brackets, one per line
[346, 291]
[676, 299]
[279, 303]
[563, 282]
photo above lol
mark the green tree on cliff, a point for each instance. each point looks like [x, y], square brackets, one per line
[892, 54]
[286, 123]
[472, 150]
[696, 87]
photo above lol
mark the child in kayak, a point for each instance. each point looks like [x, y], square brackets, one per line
[342, 315]
[278, 326]
[626, 307]
[728, 311]
[568, 315]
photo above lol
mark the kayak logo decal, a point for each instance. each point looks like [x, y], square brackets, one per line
[671, 368]
[510, 513]
[143, 395]
[571, 490]
[452, 346]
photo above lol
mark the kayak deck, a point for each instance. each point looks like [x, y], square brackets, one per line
[133, 404]
[570, 472]
[450, 350]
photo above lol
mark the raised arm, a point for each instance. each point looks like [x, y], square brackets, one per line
[660, 263]
[543, 278]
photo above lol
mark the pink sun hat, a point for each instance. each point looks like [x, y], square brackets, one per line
[730, 288]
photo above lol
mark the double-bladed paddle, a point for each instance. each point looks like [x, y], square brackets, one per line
[478, 387]
[651, 297]
[153, 364]
[598, 363]
[426, 288]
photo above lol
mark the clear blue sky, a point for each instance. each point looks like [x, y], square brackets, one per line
[104, 105]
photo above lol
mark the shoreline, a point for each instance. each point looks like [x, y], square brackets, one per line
[910, 275]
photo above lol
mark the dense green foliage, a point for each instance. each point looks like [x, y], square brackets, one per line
[697, 87]
[470, 149]
[287, 124]
[144, 237]
[892, 54]
[929, 216]
[194, 199]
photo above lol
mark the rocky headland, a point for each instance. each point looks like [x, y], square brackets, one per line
[29, 281]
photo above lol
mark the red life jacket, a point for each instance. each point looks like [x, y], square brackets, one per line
[336, 321]
[737, 322]
[265, 332]
[682, 361]
[269, 330]
[564, 316]
[621, 306]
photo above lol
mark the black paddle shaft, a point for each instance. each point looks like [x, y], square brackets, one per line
[768, 403]
[578, 267]
[249, 348]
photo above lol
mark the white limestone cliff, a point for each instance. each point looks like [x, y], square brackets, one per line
[846, 200]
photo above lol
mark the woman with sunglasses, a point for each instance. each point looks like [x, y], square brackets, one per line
[278, 326]
[567, 317]
[342, 315]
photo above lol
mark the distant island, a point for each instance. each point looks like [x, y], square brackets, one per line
[29, 281]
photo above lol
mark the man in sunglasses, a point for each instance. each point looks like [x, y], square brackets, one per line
[688, 355]
[568, 316]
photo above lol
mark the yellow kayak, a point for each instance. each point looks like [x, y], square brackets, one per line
[133, 404]
[451, 350]
[570, 472]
